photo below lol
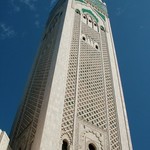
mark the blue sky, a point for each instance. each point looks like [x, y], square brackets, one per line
[21, 26]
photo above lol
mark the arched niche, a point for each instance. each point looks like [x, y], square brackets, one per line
[65, 145]
[78, 11]
[91, 146]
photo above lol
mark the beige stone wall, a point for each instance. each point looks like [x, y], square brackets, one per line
[4, 141]
[113, 124]
[120, 104]
[82, 100]
[49, 126]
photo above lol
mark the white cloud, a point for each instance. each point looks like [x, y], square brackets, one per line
[124, 8]
[29, 3]
[36, 15]
[18, 5]
[15, 7]
[37, 23]
[119, 11]
[141, 27]
[6, 31]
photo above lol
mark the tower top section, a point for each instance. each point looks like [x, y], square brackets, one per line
[96, 4]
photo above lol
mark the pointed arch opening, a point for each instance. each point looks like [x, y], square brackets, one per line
[65, 145]
[90, 21]
[92, 146]
[84, 18]
[78, 11]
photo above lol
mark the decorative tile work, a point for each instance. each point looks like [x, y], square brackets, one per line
[34, 97]
[91, 96]
[95, 97]
[90, 12]
[113, 128]
[69, 102]
[96, 4]
[101, 15]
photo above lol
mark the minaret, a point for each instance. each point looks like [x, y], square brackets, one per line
[74, 98]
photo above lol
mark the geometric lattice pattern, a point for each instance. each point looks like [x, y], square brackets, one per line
[70, 95]
[95, 100]
[111, 106]
[29, 115]
[91, 95]
[89, 103]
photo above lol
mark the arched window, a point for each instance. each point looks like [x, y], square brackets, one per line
[83, 37]
[92, 147]
[90, 21]
[84, 19]
[95, 26]
[96, 46]
[84, 16]
[78, 11]
[102, 28]
[65, 145]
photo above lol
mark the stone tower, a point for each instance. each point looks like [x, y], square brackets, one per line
[74, 98]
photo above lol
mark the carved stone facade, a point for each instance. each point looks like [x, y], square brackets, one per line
[4, 141]
[74, 99]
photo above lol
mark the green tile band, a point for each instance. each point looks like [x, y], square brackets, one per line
[90, 12]
[82, 1]
[96, 4]
[101, 15]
